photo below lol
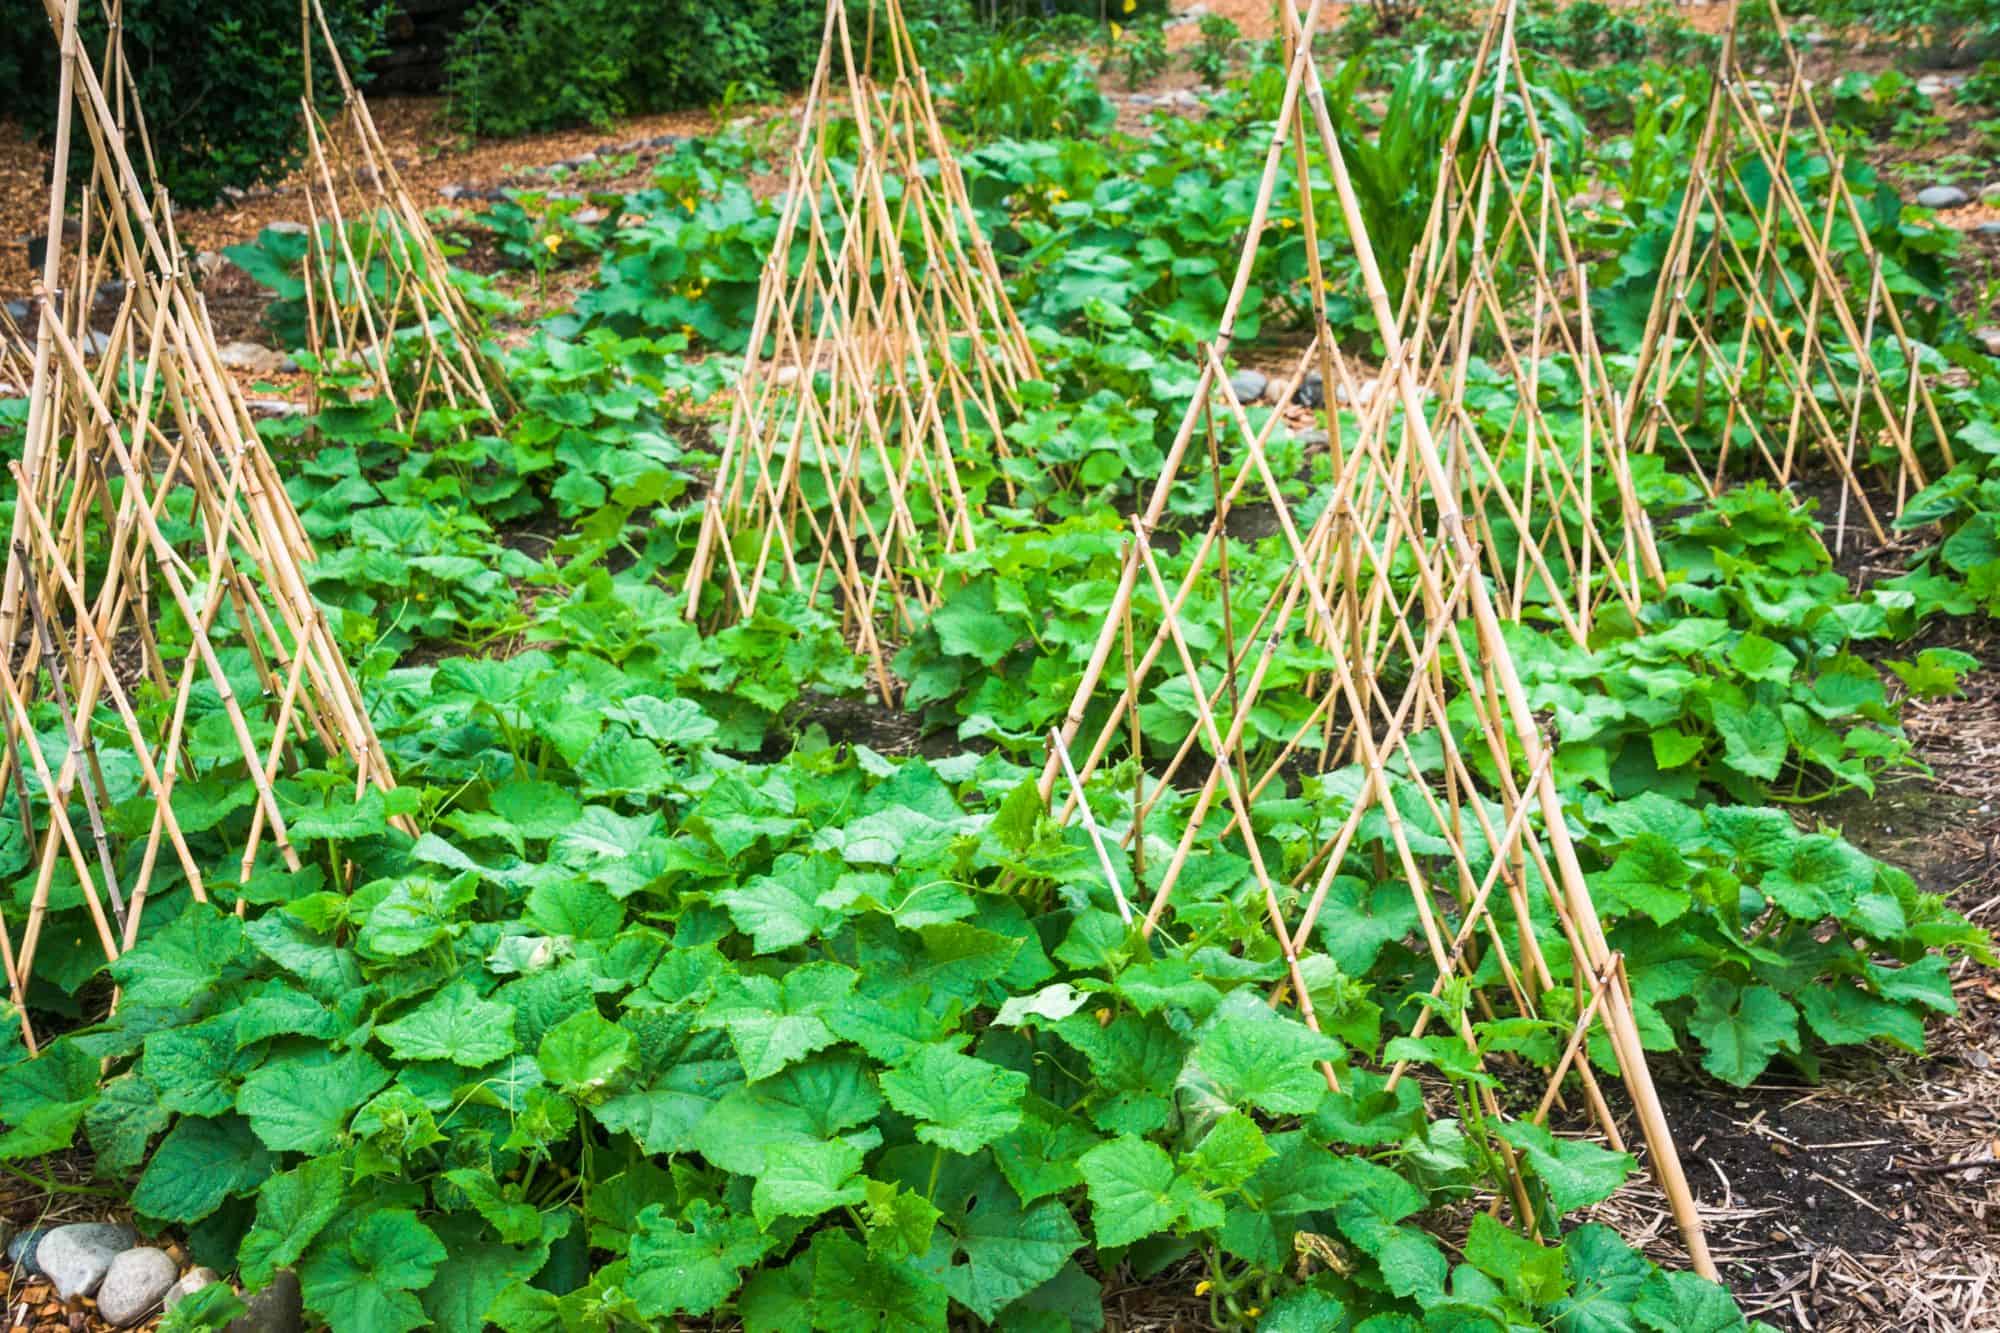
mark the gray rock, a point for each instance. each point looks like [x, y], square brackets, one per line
[1249, 384]
[1139, 99]
[1989, 338]
[112, 292]
[275, 1309]
[195, 1279]
[76, 1258]
[1942, 196]
[1311, 439]
[1311, 391]
[274, 407]
[285, 227]
[134, 1285]
[666, 141]
[251, 357]
[1989, 194]
[95, 343]
[1987, 228]
[21, 1249]
[453, 193]
[1931, 85]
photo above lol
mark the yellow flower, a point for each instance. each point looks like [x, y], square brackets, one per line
[553, 241]
[1203, 1287]
[687, 202]
[1117, 31]
[1254, 1311]
[1057, 194]
[1131, 5]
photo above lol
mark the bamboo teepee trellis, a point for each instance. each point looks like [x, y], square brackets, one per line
[14, 357]
[379, 294]
[884, 361]
[1721, 373]
[1419, 719]
[154, 602]
[1497, 278]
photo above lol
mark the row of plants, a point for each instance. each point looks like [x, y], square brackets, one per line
[678, 1009]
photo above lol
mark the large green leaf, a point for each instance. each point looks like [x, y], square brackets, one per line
[960, 1102]
[301, 1103]
[362, 1281]
[292, 1208]
[1255, 1057]
[1741, 1028]
[198, 1165]
[1131, 1183]
[692, 1267]
[184, 960]
[586, 1054]
[455, 1025]
[1576, 1172]
[807, 1179]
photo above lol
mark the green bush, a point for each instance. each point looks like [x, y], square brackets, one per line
[221, 93]
[524, 65]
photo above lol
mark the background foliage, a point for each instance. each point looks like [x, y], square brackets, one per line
[221, 88]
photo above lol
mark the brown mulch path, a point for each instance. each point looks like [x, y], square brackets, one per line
[427, 154]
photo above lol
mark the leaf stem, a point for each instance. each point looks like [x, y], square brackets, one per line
[48, 1185]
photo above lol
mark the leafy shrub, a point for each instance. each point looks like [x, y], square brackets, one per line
[221, 90]
[1142, 51]
[524, 65]
[1211, 58]
[1005, 91]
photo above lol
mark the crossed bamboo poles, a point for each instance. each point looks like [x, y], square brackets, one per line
[1399, 506]
[1482, 217]
[1687, 336]
[1394, 664]
[346, 319]
[841, 470]
[148, 469]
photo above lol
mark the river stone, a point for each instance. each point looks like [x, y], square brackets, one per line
[134, 1285]
[1311, 391]
[1942, 196]
[1249, 385]
[1989, 338]
[252, 357]
[1989, 193]
[195, 1279]
[275, 1309]
[1987, 228]
[21, 1249]
[76, 1258]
